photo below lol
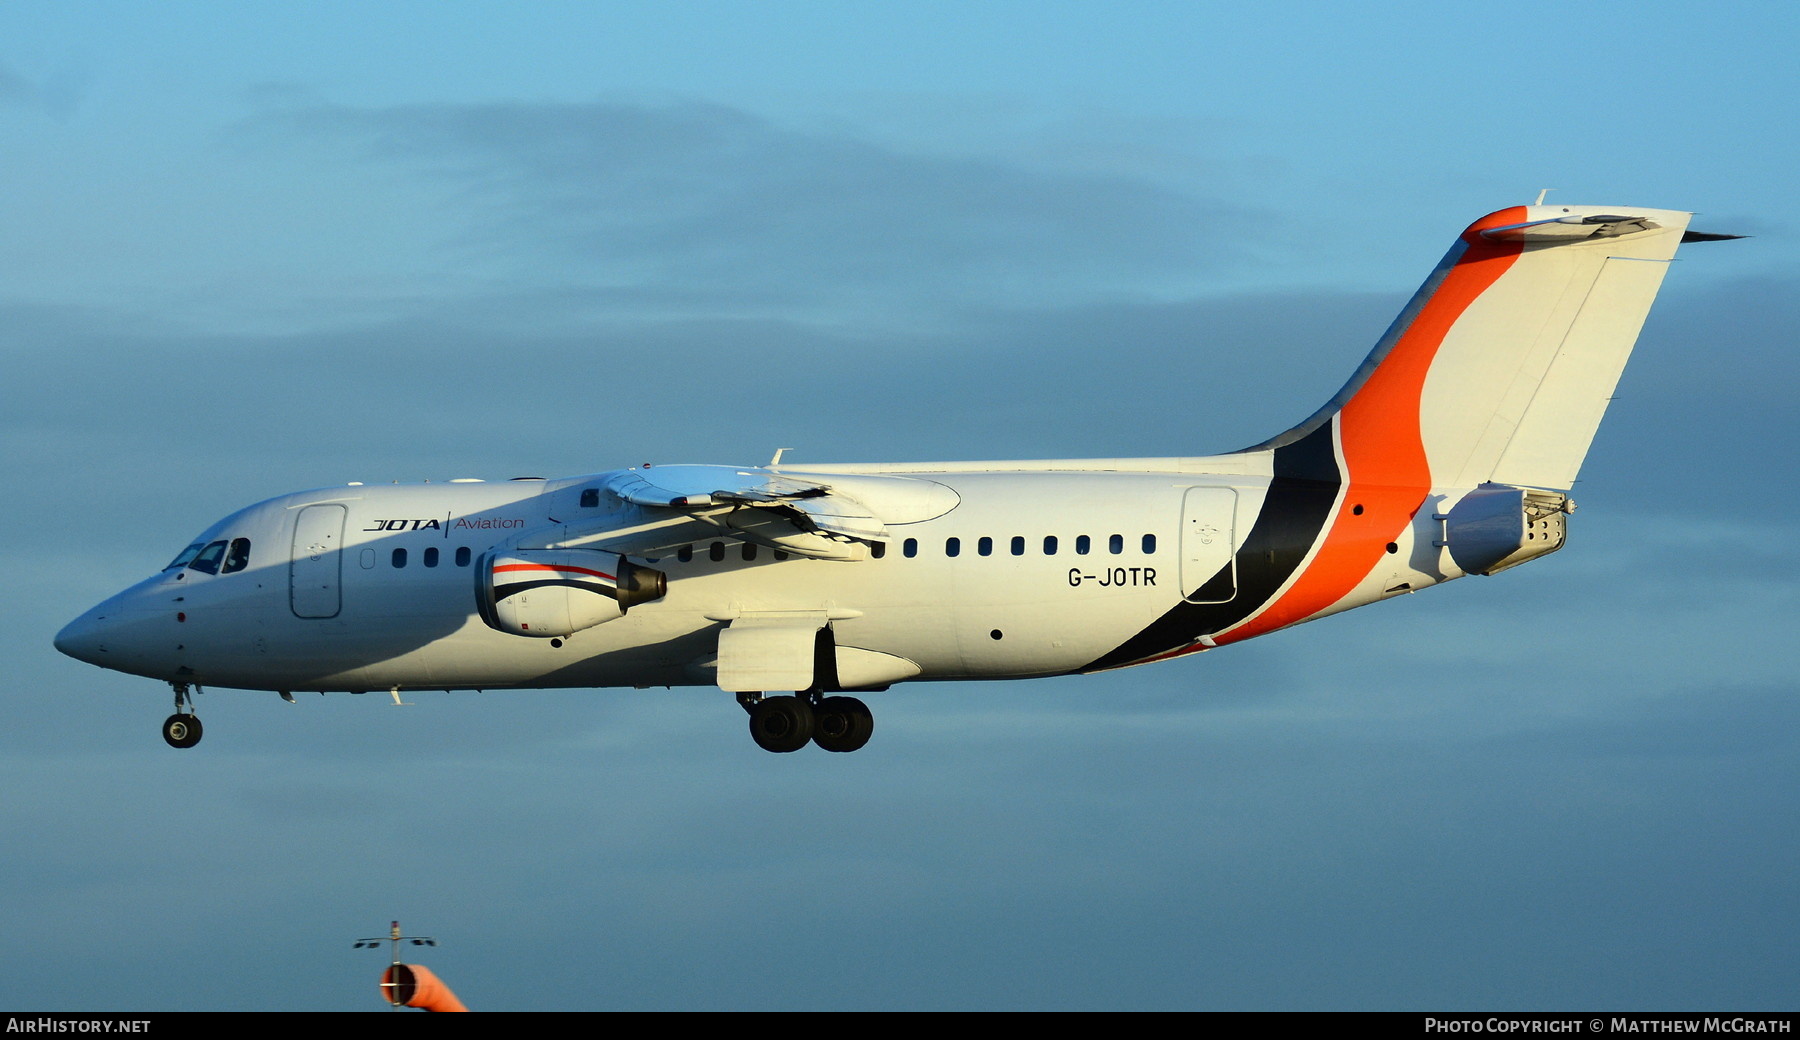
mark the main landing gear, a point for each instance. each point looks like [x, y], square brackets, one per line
[784, 724]
[182, 729]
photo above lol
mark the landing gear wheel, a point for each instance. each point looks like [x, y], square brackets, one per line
[182, 731]
[842, 724]
[781, 724]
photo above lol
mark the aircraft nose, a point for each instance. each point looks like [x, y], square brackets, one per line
[127, 633]
[84, 638]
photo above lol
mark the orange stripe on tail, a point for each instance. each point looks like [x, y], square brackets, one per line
[1387, 474]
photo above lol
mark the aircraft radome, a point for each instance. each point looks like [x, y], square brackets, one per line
[1448, 453]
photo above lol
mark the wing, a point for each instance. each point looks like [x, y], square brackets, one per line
[697, 489]
[814, 514]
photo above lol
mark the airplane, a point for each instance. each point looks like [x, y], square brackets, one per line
[1449, 452]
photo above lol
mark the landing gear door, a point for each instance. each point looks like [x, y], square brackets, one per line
[770, 651]
[313, 569]
[1209, 544]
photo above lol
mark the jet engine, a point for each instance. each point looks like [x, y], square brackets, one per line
[558, 592]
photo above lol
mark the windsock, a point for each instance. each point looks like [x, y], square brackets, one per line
[413, 985]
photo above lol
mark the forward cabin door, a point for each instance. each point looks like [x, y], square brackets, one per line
[313, 570]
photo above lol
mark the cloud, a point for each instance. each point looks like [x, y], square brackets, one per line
[57, 95]
[713, 201]
[14, 90]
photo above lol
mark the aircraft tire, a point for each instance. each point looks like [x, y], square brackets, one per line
[781, 724]
[842, 724]
[182, 730]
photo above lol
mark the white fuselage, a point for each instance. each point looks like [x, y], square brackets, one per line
[1053, 569]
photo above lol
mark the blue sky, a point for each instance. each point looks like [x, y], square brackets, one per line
[254, 248]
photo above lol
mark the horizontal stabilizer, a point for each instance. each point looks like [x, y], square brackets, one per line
[1571, 229]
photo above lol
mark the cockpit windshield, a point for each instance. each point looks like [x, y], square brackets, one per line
[207, 560]
[218, 557]
[181, 559]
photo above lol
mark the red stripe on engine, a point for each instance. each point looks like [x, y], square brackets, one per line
[552, 567]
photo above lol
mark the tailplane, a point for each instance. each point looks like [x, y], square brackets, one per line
[1501, 366]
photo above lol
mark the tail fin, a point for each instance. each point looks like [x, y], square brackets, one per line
[1502, 365]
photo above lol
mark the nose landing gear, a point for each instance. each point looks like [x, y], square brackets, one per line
[182, 729]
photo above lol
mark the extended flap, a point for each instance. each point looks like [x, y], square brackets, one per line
[847, 507]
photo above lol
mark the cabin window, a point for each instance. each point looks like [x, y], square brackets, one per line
[909, 548]
[749, 551]
[207, 562]
[430, 558]
[1115, 544]
[367, 559]
[1049, 545]
[716, 552]
[462, 556]
[1018, 545]
[399, 557]
[985, 546]
[953, 547]
[780, 555]
[183, 557]
[237, 557]
[1149, 544]
[877, 550]
[1082, 544]
[590, 498]
[685, 554]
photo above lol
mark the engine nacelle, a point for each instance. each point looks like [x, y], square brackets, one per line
[558, 592]
[1497, 526]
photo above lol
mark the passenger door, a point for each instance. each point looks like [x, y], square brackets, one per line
[314, 569]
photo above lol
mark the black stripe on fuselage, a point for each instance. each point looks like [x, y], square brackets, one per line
[1293, 516]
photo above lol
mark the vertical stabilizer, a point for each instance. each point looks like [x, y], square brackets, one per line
[1502, 365]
